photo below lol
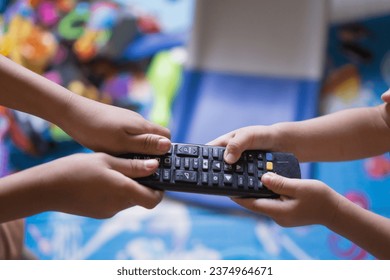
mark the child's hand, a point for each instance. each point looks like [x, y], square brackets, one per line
[95, 185]
[302, 202]
[246, 138]
[106, 128]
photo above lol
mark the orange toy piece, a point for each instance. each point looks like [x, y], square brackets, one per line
[18, 30]
[344, 82]
[85, 47]
[38, 48]
[28, 45]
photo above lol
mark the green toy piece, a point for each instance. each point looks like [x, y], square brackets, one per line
[58, 134]
[164, 75]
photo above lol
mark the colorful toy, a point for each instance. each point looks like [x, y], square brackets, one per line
[344, 82]
[38, 49]
[122, 35]
[47, 12]
[26, 43]
[80, 45]
[71, 27]
[131, 91]
[98, 30]
[164, 75]
[18, 29]
[148, 45]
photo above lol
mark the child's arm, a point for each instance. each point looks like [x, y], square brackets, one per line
[95, 185]
[98, 126]
[306, 202]
[345, 135]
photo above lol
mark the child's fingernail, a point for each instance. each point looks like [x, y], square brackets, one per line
[151, 164]
[163, 144]
[229, 157]
[387, 92]
[267, 177]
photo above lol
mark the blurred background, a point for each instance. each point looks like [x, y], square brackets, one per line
[201, 68]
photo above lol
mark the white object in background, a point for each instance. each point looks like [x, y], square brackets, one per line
[267, 37]
[350, 10]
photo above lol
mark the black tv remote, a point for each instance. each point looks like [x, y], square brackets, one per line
[201, 169]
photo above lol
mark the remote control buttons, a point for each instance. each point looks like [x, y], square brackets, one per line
[205, 152]
[187, 163]
[205, 164]
[215, 178]
[197, 168]
[195, 163]
[251, 182]
[167, 161]
[187, 150]
[240, 181]
[270, 166]
[215, 152]
[227, 167]
[166, 174]
[251, 168]
[239, 167]
[186, 176]
[156, 175]
[216, 165]
[228, 179]
[205, 178]
[250, 157]
[177, 162]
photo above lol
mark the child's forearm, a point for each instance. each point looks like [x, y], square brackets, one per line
[366, 229]
[26, 91]
[21, 195]
[345, 135]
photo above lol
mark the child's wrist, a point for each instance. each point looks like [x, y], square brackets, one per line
[336, 202]
[278, 137]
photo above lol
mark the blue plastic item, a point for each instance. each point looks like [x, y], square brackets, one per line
[150, 44]
[3, 5]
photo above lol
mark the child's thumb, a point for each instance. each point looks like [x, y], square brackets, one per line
[278, 184]
[386, 96]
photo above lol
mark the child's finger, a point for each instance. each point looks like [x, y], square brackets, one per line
[279, 184]
[266, 206]
[138, 194]
[221, 140]
[151, 144]
[134, 168]
[238, 143]
[159, 130]
[386, 96]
